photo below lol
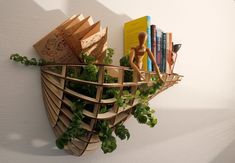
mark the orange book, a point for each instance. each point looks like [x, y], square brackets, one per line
[168, 53]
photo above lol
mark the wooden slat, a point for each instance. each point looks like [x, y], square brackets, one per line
[57, 131]
[52, 73]
[52, 89]
[51, 113]
[108, 101]
[52, 80]
[120, 117]
[53, 97]
[93, 146]
[89, 114]
[65, 120]
[81, 81]
[67, 113]
[61, 126]
[57, 90]
[79, 144]
[67, 102]
[86, 126]
[55, 109]
[75, 150]
[106, 115]
[121, 109]
[80, 96]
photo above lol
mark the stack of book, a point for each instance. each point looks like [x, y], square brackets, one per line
[158, 41]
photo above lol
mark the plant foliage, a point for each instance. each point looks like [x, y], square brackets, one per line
[89, 72]
[105, 134]
[74, 130]
[27, 62]
[122, 132]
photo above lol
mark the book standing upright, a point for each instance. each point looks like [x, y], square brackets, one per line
[131, 31]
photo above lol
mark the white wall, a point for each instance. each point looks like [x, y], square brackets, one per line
[196, 117]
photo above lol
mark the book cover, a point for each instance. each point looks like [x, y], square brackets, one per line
[53, 48]
[75, 23]
[153, 41]
[83, 34]
[67, 22]
[149, 62]
[75, 35]
[131, 31]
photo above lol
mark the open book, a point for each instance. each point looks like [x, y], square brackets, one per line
[67, 41]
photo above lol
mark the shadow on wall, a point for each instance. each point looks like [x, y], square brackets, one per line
[175, 123]
[26, 129]
[108, 18]
[226, 154]
[23, 122]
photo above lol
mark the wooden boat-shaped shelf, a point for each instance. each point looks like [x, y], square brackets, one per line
[57, 95]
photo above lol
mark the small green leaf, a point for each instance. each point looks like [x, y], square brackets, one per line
[60, 143]
[122, 132]
[142, 119]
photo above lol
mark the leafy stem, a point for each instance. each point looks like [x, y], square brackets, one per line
[74, 130]
[144, 114]
[27, 62]
[108, 57]
[108, 140]
[105, 134]
[122, 132]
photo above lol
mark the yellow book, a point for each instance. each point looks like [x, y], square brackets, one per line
[131, 31]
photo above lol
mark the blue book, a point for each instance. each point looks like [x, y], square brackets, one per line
[149, 62]
[163, 52]
[153, 42]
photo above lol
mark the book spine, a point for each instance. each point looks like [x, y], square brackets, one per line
[149, 62]
[163, 52]
[153, 42]
[159, 49]
[167, 53]
[170, 52]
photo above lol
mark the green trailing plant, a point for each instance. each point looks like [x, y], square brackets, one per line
[27, 62]
[144, 114]
[87, 59]
[109, 79]
[124, 99]
[108, 56]
[89, 72]
[109, 143]
[103, 109]
[122, 132]
[128, 75]
[124, 61]
[110, 93]
[74, 130]
[105, 134]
